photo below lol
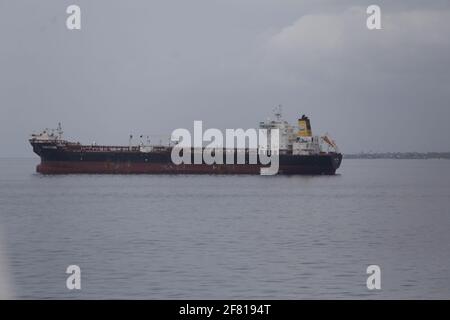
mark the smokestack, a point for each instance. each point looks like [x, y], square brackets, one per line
[304, 127]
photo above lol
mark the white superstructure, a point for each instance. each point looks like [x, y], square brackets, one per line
[298, 140]
[49, 134]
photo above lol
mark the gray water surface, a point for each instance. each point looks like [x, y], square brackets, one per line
[225, 237]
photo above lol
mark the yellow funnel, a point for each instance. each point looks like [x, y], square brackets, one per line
[304, 127]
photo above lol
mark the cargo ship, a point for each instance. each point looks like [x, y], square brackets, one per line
[299, 152]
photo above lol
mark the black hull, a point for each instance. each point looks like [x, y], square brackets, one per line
[71, 158]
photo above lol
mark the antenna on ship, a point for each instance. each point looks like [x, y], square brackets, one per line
[277, 111]
[59, 131]
[131, 138]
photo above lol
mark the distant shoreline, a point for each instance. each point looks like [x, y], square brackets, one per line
[399, 155]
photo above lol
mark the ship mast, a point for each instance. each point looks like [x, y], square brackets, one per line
[59, 131]
[278, 111]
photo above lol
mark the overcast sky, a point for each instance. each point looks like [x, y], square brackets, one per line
[151, 66]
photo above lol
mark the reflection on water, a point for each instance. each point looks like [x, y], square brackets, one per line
[225, 237]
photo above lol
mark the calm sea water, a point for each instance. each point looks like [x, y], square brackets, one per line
[141, 236]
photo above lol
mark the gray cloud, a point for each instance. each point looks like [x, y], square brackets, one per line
[153, 66]
[390, 86]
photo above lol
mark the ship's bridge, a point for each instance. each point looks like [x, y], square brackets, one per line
[287, 132]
